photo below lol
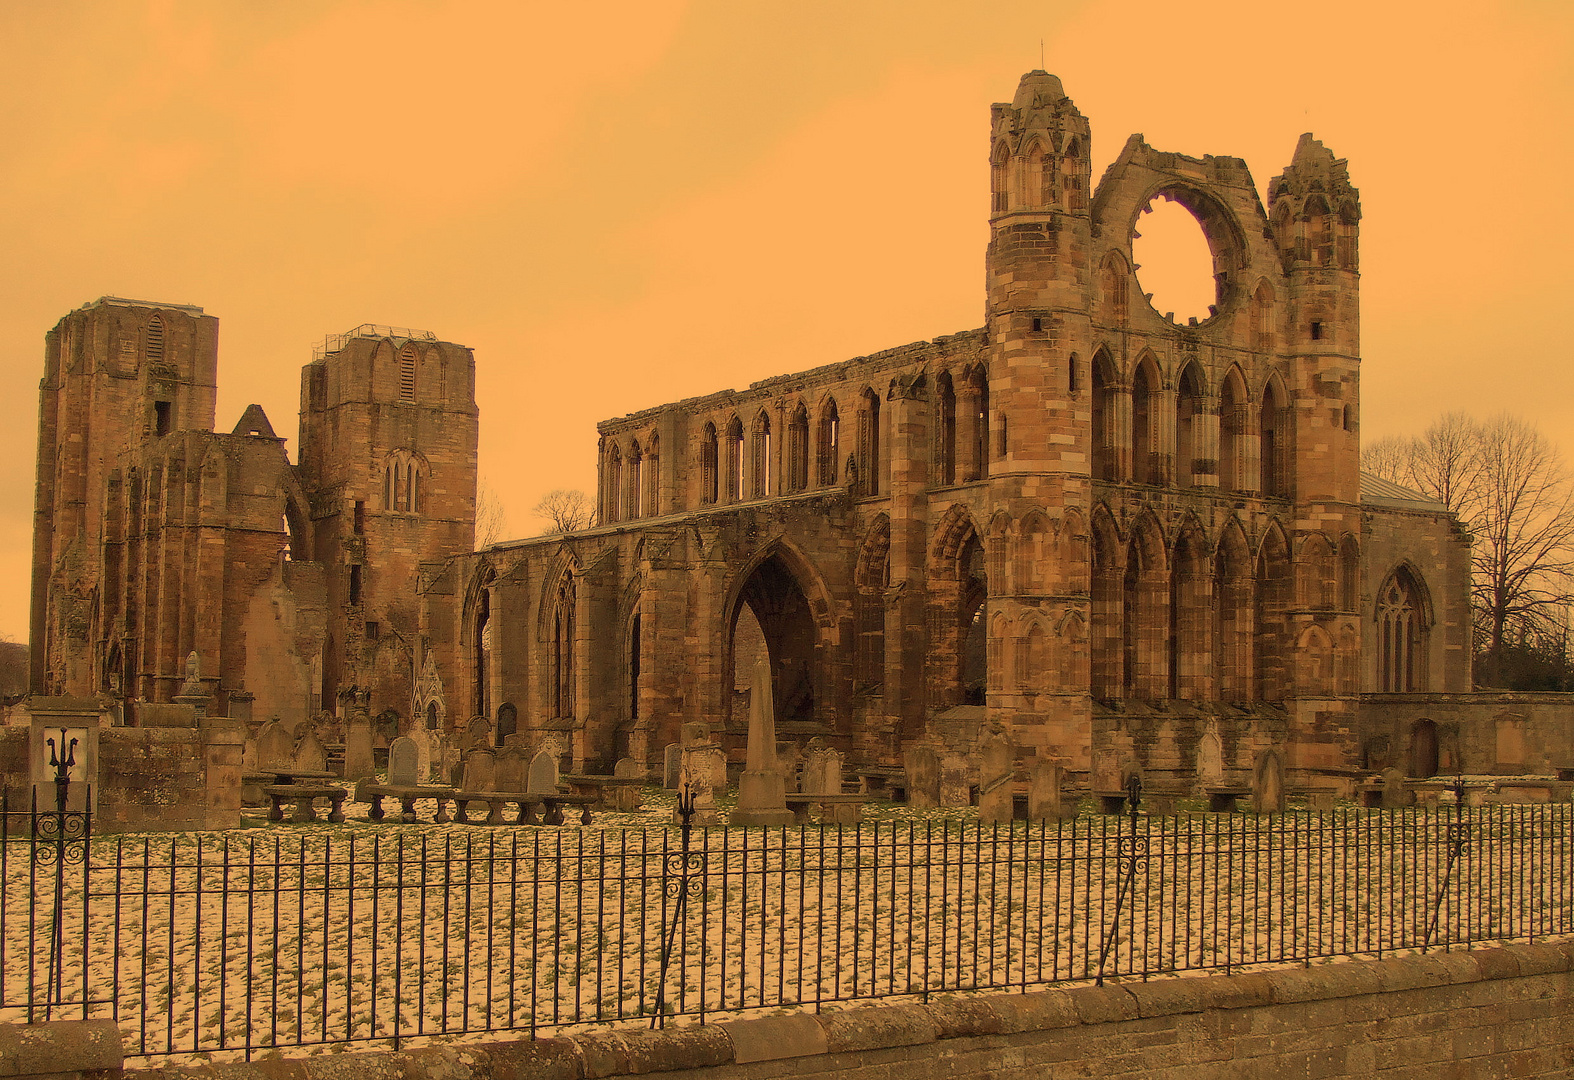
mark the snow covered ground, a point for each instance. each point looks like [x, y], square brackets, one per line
[299, 936]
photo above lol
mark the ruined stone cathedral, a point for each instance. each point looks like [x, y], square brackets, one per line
[1103, 530]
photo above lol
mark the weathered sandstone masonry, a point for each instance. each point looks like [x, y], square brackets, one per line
[1487, 1012]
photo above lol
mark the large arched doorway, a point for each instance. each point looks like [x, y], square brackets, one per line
[772, 619]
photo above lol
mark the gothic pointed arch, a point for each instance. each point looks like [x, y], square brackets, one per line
[798, 449]
[611, 503]
[1032, 655]
[1274, 437]
[732, 461]
[1234, 620]
[1402, 621]
[760, 455]
[958, 591]
[1106, 413]
[710, 465]
[1146, 387]
[1191, 615]
[1263, 318]
[1315, 661]
[788, 598]
[869, 450]
[1235, 428]
[1113, 276]
[1275, 592]
[634, 493]
[1031, 567]
[1145, 610]
[1191, 389]
[1349, 573]
[1038, 174]
[1317, 570]
[650, 486]
[945, 430]
[828, 442]
[1106, 652]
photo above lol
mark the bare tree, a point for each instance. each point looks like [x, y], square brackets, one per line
[491, 518]
[1441, 463]
[1520, 504]
[565, 510]
[1388, 457]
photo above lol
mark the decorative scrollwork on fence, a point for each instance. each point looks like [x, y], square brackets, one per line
[684, 871]
[1131, 854]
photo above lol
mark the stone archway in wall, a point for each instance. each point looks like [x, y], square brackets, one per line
[772, 616]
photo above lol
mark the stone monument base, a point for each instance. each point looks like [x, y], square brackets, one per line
[762, 800]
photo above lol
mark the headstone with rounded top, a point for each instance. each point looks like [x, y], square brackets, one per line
[509, 766]
[479, 734]
[542, 779]
[310, 754]
[404, 763]
[1210, 759]
[275, 746]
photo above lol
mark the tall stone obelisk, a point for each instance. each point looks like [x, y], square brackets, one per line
[762, 789]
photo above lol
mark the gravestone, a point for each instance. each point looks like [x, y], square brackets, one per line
[1210, 760]
[1396, 793]
[695, 732]
[704, 770]
[995, 779]
[310, 754]
[358, 746]
[672, 766]
[1045, 802]
[1105, 777]
[626, 798]
[480, 771]
[822, 771]
[955, 790]
[1268, 783]
[478, 736]
[542, 779]
[922, 766]
[509, 766]
[275, 746]
[404, 763]
[762, 791]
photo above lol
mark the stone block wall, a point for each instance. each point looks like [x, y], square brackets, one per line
[1488, 1012]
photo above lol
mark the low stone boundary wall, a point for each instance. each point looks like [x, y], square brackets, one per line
[1486, 1012]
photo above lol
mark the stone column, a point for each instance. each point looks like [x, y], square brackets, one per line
[1205, 443]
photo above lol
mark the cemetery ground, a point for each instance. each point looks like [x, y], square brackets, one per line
[291, 938]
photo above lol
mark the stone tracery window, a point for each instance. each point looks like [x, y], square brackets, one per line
[710, 471]
[760, 457]
[798, 449]
[732, 467]
[829, 443]
[1401, 635]
[403, 483]
[407, 373]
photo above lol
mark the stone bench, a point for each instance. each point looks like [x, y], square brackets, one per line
[840, 809]
[525, 804]
[1527, 790]
[611, 792]
[1429, 793]
[407, 795]
[305, 797]
[252, 783]
[1222, 798]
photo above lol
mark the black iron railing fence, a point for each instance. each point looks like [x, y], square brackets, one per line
[310, 937]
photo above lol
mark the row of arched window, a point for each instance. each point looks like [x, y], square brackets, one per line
[629, 485]
[736, 459]
[1038, 177]
[1147, 433]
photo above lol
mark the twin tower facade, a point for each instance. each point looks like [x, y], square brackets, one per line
[156, 536]
[1113, 534]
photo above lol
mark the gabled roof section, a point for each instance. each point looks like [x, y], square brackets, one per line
[1374, 489]
[254, 422]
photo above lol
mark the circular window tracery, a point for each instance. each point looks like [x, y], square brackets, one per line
[1175, 261]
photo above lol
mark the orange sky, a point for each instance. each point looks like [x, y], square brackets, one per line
[625, 203]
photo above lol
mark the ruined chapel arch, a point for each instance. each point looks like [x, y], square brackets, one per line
[787, 597]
